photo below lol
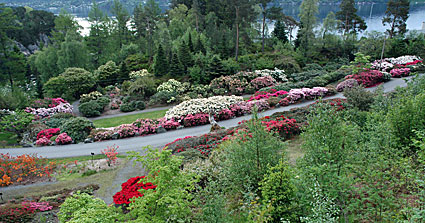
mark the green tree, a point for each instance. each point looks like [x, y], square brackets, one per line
[176, 68]
[350, 22]
[267, 13]
[145, 23]
[122, 34]
[308, 11]
[45, 62]
[160, 65]
[107, 74]
[171, 200]
[72, 52]
[64, 23]
[215, 68]
[280, 31]
[396, 16]
[12, 67]
[185, 56]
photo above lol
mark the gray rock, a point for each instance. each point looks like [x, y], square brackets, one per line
[137, 134]
[115, 136]
[88, 140]
[180, 127]
[26, 145]
[160, 129]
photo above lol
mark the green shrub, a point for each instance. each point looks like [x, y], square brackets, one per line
[162, 97]
[81, 207]
[143, 87]
[273, 101]
[359, 97]
[77, 128]
[16, 122]
[58, 119]
[94, 95]
[278, 189]
[140, 105]
[13, 100]
[90, 109]
[128, 107]
[103, 102]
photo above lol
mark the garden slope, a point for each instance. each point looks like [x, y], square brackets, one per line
[159, 140]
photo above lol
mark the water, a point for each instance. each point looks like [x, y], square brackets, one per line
[372, 13]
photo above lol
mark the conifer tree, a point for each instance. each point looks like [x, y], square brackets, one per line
[350, 21]
[160, 66]
[185, 56]
[280, 31]
[396, 16]
[176, 68]
[190, 43]
[215, 68]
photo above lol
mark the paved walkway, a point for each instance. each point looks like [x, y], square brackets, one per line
[159, 140]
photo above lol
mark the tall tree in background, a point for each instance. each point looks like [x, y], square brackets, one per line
[122, 17]
[99, 34]
[64, 23]
[396, 16]
[350, 21]
[267, 13]
[280, 31]
[145, 23]
[308, 11]
[160, 65]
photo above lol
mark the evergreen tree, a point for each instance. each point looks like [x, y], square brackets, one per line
[200, 46]
[396, 16]
[64, 23]
[145, 21]
[99, 34]
[176, 68]
[280, 31]
[122, 17]
[308, 11]
[350, 22]
[185, 56]
[160, 66]
[215, 68]
[190, 43]
[13, 67]
[267, 13]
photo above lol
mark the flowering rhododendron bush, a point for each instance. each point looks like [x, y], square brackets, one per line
[402, 72]
[264, 94]
[349, 83]
[286, 128]
[63, 139]
[47, 112]
[203, 105]
[277, 74]
[230, 84]
[368, 78]
[20, 169]
[307, 93]
[261, 82]
[47, 103]
[130, 189]
[48, 133]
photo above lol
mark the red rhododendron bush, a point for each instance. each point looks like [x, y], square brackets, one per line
[130, 189]
[368, 78]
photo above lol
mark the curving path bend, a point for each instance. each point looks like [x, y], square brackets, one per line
[159, 140]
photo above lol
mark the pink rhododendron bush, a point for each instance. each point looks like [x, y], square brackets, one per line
[389, 64]
[402, 72]
[49, 107]
[368, 78]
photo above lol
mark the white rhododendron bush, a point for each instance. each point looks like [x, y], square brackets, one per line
[203, 105]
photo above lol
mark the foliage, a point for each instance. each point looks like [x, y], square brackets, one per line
[131, 189]
[13, 100]
[16, 122]
[278, 189]
[81, 207]
[395, 16]
[172, 197]
[359, 98]
[111, 154]
[142, 87]
[92, 96]
[90, 109]
[77, 128]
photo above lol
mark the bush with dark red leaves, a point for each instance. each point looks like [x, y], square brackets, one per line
[130, 189]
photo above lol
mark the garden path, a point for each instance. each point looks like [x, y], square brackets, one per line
[159, 140]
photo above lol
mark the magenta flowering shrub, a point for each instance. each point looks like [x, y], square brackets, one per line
[262, 82]
[402, 72]
[63, 139]
[296, 94]
[285, 102]
[168, 124]
[240, 109]
[224, 114]
[126, 130]
[47, 103]
[349, 83]
[145, 126]
[48, 133]
[311, 93]
[264, 94]
[37, 206]
[261, 104]
[368, 78]
[43, 141]
[195, 120]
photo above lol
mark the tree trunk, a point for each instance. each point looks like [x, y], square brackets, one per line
[264, 27]
[237, 33]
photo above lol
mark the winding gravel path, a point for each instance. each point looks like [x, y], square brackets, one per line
[159, 140]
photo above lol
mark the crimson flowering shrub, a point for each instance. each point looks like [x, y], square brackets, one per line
[47, 103]
[402, 72]
[368, 78]
[195, 120]
[261, 82]
[131, 189]
[285, 102]
[63, 139]
[48, 133]
[285, 127]
[168, 124]
[16, 213]
[240, 109]
[43, 141]
[224, 114]
[264, 94]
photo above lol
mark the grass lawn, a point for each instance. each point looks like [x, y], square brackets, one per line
[80, 158]
[294, 150]
[7, 138]
[128, 119]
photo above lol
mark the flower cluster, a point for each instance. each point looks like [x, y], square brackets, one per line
[131, 189]
[125, 130]
[90, 96]
[47, 112]
[277, 74]
[349, 83]
[43, 141]
[403, 59]
[382, 65]
[111, 154]
[230, 84]
[145, 126]
[285, 127]
[168, 124]
[240, 109]
[47, 103]
[261, 104]
[37, 206]
[368, 78]
[102, 135]
[203, 105]
[63, 139]
[172, 86]
[264, 94]
[17, 213]
[307, 93]
[21, 168]
[138, 74]
[402, 72]
[48, 133]
[196, 119]
[262, 82]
